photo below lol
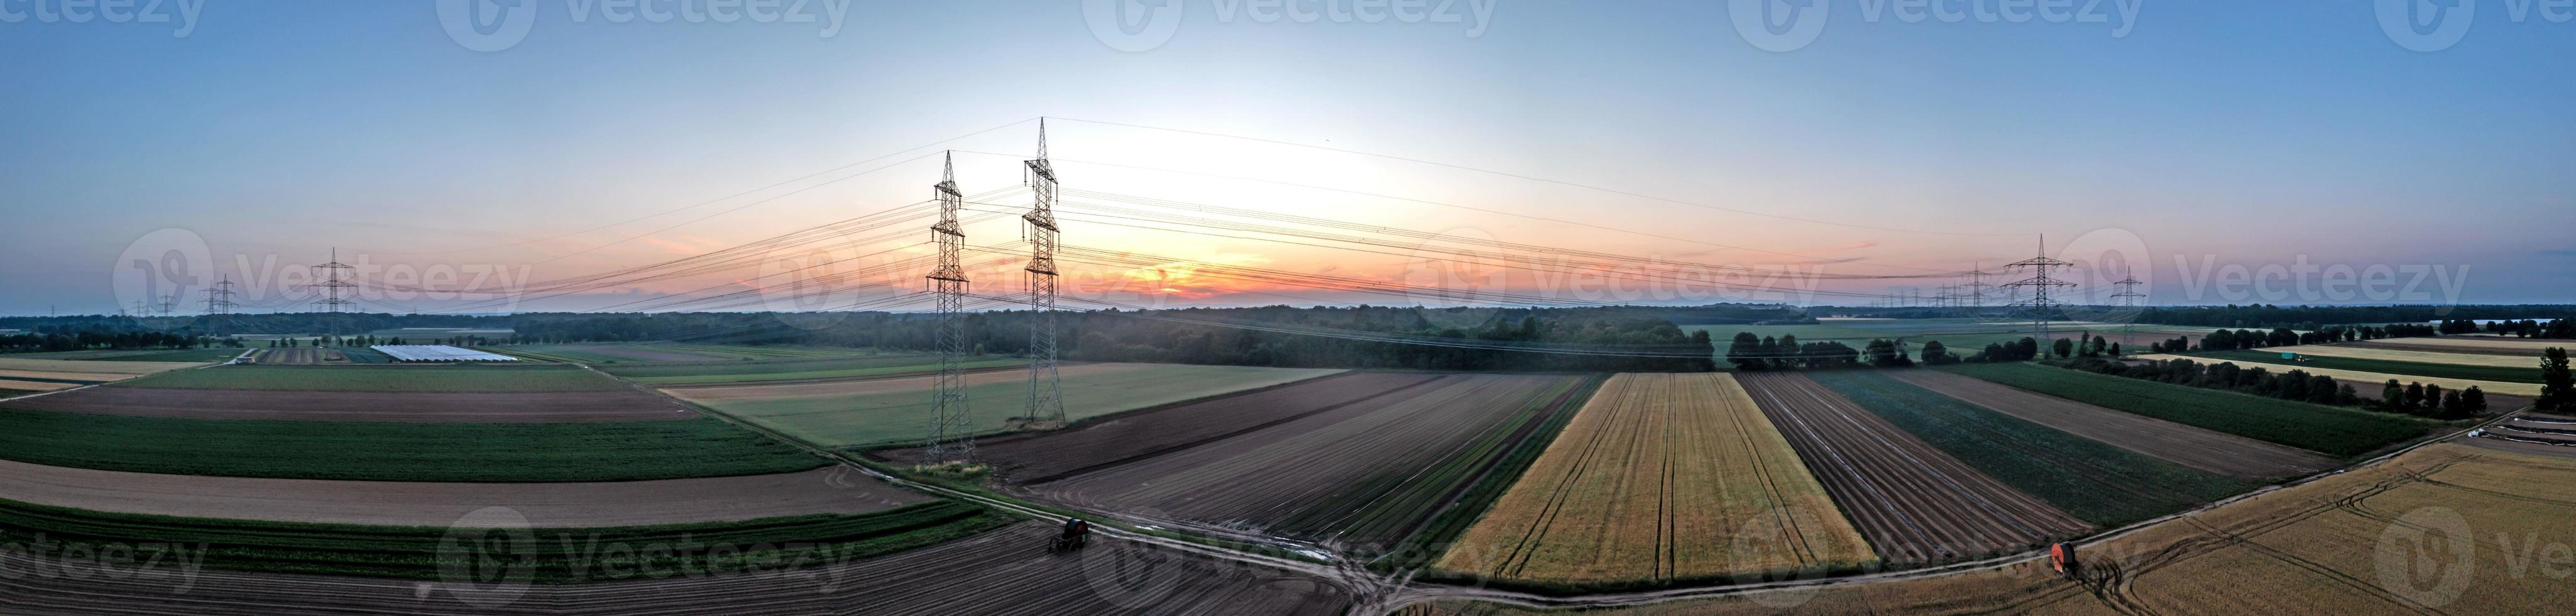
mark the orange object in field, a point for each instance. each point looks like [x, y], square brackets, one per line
[2062, 556]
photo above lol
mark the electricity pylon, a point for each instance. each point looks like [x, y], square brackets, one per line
[948, 439]
[1046, 389]
[2041, 306]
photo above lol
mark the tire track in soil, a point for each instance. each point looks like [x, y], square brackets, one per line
[1562, 489]
[1789, 527]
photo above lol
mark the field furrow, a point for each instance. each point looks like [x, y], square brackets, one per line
[1915, 503]
[1661, 478]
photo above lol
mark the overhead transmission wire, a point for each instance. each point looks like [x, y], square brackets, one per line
[1469, 208]
[739, 194]
[1530, 178]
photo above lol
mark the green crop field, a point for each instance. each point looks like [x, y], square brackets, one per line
[2319, 428]
[431, 379]
[896, 417]
[553, 555]
[2091, 480]
[376, 451]
[2384, 366]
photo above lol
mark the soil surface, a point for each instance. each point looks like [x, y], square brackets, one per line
[556, 505]
[627, 404]
[1914, 503]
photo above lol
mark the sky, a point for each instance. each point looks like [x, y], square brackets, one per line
[2222, 152]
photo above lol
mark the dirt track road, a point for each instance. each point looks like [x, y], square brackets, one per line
[531, 407]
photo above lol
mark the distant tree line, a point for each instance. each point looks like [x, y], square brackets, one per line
[2296, 385]
[2554, 329]
[1281, 336]
[2314, 317]
[89, 340]
[2231, 340]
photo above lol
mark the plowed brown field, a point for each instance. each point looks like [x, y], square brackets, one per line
[1003, 572]
[383, 503]
[624, 404]
[1043, 457]
[1369, 472]
[1914, 503]
[2189, 446]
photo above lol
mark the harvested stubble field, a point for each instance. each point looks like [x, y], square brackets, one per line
[2527, 371]
[76, 378]
[78, 366]
[2470, 344]
[2323, 547]
[543, 555]
[627, 404]
[299, 356]
[1005, 571]
[890, 411]
[12, 388]
[2323, 429]
[835, 490]
[1370, 473]
[2194, 447]
[379, 451]
[1914, 503]
[144, 355]
[666, 352]
[2366, 382]
[1662, 478]
[424, 379]
[2355, 351]
[2093, 481]
[1041, 457]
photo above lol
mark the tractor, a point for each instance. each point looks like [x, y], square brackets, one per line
[1077, 532]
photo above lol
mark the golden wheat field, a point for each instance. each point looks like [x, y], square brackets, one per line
[2444, 529]
[1661, 477]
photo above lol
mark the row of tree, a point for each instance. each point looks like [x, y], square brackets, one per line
[2555, 329]
[2296, 385]
[89, 340]
[2314, 317]
[1593, 340]
[2230, 340]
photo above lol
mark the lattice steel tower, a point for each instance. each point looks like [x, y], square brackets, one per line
[1977, 290]
[949, 438]
[332, 284]
[2128, 298]
[219, 300]
[2041, 306]
[1046, 391]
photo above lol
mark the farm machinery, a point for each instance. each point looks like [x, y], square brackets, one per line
[1077, 533]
